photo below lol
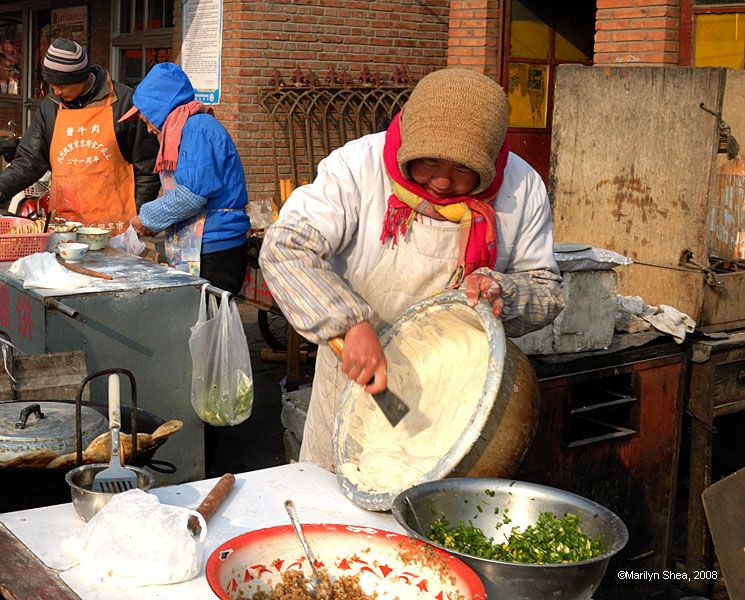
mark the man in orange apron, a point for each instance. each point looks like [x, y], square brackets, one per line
[102, 170]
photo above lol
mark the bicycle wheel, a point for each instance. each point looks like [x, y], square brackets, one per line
[273, 329]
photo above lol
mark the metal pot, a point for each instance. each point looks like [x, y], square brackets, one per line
[46, 425]
[23, 488]
[503, 419]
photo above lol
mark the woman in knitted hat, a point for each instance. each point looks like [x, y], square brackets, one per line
[101, 169]
[436, 201]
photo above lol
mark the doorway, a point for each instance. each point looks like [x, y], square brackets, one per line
[540, 34]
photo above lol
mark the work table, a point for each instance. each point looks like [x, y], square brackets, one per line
[257, 501]
[128, 273]
[140, 321]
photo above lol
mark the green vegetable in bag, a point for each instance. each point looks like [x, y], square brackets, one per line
[227, 409]
[222, 384]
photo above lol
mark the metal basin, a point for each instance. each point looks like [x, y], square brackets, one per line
[457, 499]
[87, 502]
[482, 434]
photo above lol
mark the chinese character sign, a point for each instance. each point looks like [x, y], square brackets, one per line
[25, 319]
[201, 47]
[4, 308]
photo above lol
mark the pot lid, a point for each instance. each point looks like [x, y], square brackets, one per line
[28, 426]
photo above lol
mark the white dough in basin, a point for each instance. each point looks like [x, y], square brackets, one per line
[437, 365]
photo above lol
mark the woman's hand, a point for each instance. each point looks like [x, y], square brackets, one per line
[363, 359]
[140, 228]
[487, 288]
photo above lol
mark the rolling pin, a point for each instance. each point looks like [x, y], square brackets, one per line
[85, 271]
[212, 502]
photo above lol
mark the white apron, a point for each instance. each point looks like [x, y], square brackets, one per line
[416, 268]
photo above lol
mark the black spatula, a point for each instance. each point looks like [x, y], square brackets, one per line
[391, 405]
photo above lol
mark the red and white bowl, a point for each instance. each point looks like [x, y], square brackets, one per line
[389, 564]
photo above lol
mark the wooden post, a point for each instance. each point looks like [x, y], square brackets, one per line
[293, 358]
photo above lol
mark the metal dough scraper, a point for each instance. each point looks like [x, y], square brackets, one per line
[392, 406]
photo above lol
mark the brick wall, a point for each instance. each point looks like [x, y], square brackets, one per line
[475, 35]
[260, 36]
[643, 32]
[99, 21]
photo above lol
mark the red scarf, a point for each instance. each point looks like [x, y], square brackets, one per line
[170, 134]
[479, 245]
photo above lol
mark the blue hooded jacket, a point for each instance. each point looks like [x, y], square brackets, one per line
[209, 174]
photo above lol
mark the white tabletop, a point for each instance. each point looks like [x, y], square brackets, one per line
[256, 501]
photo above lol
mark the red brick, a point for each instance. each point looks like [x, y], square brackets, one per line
[628, 36]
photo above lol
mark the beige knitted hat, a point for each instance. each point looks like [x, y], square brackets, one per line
[457, 115]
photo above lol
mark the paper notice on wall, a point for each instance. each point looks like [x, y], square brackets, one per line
[70, 23]
[201, 47]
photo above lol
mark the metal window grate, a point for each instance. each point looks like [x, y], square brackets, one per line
[311, 118]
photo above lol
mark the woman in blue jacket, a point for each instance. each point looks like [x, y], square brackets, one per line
[203, 206]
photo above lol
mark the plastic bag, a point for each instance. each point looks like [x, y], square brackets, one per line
[127, 242]
[222, 390]
[135, 541]
[41, 270]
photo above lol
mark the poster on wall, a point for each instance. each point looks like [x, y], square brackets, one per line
[70, 23]
[201, 47]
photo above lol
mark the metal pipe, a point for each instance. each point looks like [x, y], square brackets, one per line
[216, 291]
[63, 308]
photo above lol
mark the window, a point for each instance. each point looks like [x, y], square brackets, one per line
[718, 36]
[143, 31]
[543, 34]
[11, 53]
[41, 39]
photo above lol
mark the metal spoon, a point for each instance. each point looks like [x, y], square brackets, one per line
[415, 516]
[315, 579]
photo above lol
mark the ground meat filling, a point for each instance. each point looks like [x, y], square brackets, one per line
[294, 586]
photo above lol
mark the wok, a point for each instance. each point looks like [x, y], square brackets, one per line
[23, 488]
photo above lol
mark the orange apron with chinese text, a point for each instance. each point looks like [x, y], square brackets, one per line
[91, 181]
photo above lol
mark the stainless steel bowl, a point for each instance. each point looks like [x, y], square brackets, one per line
[465, 499]
[87, 502]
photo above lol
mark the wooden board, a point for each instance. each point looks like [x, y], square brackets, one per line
[727, 226]
[24, 576]
[54, 376]
[661, 285]
[725, 306]
[733, 110]
[632, 169]
[723, 506]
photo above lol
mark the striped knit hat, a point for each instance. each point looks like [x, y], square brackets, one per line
[65, 62]
[458, 115]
